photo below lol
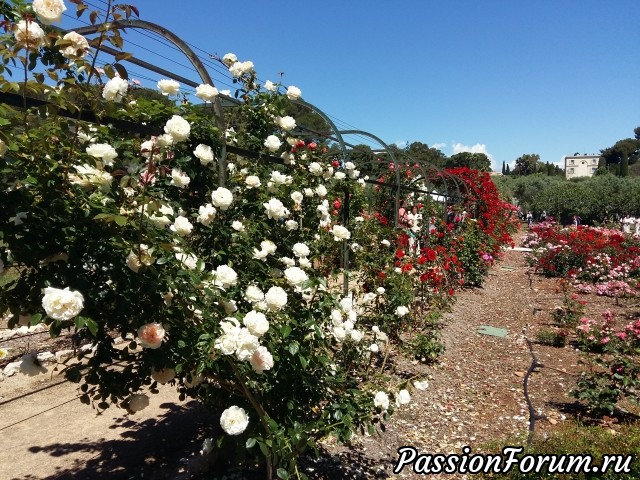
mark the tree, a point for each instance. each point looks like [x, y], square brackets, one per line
[504, 171]
[508, 171]
[422, 152]
[526, 164]
[474, 161]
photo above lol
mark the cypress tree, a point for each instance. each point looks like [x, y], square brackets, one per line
[503, 169]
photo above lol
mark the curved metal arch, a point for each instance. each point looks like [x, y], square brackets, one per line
[189, 53]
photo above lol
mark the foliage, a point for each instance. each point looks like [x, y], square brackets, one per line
[552, 337]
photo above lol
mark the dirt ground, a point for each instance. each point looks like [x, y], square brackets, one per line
[475, 395]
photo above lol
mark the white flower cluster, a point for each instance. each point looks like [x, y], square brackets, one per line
[343, 322]
[244, 342]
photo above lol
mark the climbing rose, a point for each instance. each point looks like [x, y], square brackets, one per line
[225, 276]
[204, 153]
[222, 198]
[234, 420]
[261, 360]
[286, 123]
[78, 48]
[276, 298]
[381, 400]
[151, 335]
[293, 93]
[102, 151]
[115, 89]
[256, 323]
[206, 92]
[48, 11]
[178, 128]
[62, 304]
[401, 311]
[403, 397]
[272, 143]
[340, 233]
[168, 87]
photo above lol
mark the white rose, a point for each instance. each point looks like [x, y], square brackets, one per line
[164, 140]
[222, 198]
[78, 48]
[256, 323]
[247, 67]
[356, 336]
[163, 376]
[229, 59]
[275, 209]
[349, 166]
[268, 246]
[178, 128]
[291, 225]
[225, 276]
[288, 262]
[247, 344]
[115, 89]
[297, 197]
[315, 168]
[237, 226]
[138, 402]
[280, 178]
[89, 176]
[189, 260]
[295, 276]
[29, 34]
[227, 343]
[381, 400]
[206, 92]
[229, 306]
[234, 420]
[421, 384]
[179, 178]
[374, 348]
[272, 143]
[293, 93]
[403, 397]
[308, 192]
[261, 360]
[339, 333]
[401, 311]
[321, 191]
[237, 69]
[182, 226]
[253, 294]
[206, 214]
[270, 86]
[386, 243]
[252, 181]
[168, 87]
[286, 123]
[340, 233]
[339, 175]
[301, 250]
[380, 290]
[204, 153]
[102, 151]
[48, 11]
[276, 298]
[62, 304]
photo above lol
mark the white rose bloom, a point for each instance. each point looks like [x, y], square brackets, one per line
[234, 420]
[227, 343]
[178, 128]
[229, 306]
[336, 317]
[301, 250]
[339, 333]
[356, 335]
[373, 348]
[62, 304]
[168, 87]
[288, 262]
[247, 344]
[272, 143]
[268, 246]
[189, 260]
[295, 276]
[204, 153]
[29, 34]
[138, 402]
[349, 166]
[321, 191]
[315, 168]
[270, 86]
[280, 178]
[89, 176]
[256, 323]
[260, 254]
[236, 69]
[179, 178]
[102, 151]
[381, 400]
[276, 298]
[304, 262]
[401, 311]
[222, 198]
[386, 243]
[368, 297]
[340, 233]
[182, 226]
[275, 209]
[48, 11]
[346, 304]
[291, 225]
[355, 247]
[253, 294]
[339, 175]
[164, 140]
[380, 290]
[421, 385]
[359, 219]
[252, 181]
[297, 197]
[163, 376]
[206, 214]
[237, 226]
[134, 262]
[293, 93]
[229, 59]
[397, 270]
[78, 48]
[115, 89]
[206, 92]
[403, 397]
[308, 192]
[286, 123]
[261, 360]
[225, 276]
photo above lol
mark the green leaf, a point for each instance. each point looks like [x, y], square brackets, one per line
[119, 68]
[35, 319]
[250, 443]
[285, 330]
[92, 326]
[120, 220]
[294, 347]
[282, 473]
[303, 361]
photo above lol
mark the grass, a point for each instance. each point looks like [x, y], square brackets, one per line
[579, 440]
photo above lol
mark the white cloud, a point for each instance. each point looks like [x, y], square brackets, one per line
[477, 148]
[401, 143]
[438, 146]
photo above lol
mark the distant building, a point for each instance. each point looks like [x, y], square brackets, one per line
[580, 165]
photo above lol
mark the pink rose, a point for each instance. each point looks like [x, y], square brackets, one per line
[151, 335]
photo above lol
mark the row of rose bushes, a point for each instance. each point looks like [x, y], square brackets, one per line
[605, 262]
[223, 281]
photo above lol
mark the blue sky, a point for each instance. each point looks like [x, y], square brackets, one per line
[504, 77]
